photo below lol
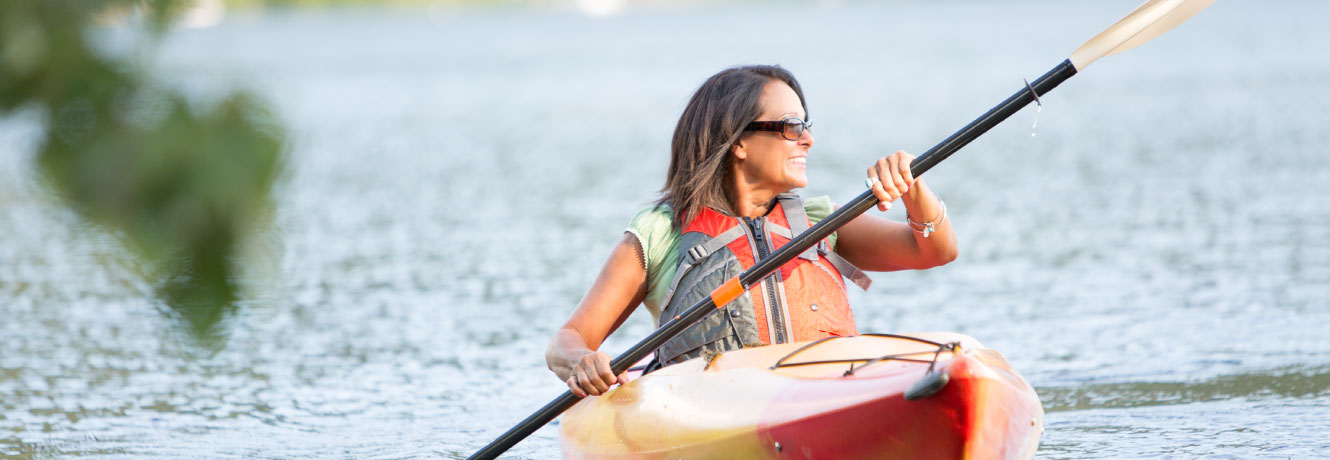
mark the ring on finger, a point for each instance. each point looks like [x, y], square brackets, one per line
[868, 183]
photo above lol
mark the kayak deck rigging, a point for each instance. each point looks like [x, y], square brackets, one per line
[951, 347]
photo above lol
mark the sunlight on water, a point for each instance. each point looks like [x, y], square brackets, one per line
[1157, 264]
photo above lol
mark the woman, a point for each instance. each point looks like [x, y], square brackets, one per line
[738, 150]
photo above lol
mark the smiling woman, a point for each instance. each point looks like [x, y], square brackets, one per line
[741, 146]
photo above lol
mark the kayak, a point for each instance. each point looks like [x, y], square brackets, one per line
[914, 396]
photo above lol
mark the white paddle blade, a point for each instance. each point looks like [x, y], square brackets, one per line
[1148, 21]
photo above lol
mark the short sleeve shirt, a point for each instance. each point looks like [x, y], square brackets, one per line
[653, 227]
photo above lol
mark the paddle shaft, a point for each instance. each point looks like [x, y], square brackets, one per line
[786, 253]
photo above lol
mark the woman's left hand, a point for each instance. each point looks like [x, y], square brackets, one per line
[925, 240]
[890, 178]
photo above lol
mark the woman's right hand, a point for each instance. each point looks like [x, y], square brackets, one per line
[591, 375]
[618, 290]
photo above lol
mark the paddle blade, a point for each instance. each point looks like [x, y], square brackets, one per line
[1148, 21]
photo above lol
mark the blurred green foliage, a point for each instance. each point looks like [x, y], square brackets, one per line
[180, 185]
[336, 3]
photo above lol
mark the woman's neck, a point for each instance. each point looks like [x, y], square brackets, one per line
[750, 199]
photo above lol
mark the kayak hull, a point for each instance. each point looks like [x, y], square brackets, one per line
[734, 406]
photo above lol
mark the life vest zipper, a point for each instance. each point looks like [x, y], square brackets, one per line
[774, 309]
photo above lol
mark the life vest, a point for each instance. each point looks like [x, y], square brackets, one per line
[804, 300]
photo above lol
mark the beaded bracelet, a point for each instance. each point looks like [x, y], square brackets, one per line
[928, 228]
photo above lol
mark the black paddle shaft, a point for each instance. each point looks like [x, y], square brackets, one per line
[787, 253]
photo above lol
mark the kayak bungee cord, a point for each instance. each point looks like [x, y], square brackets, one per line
[895, 357]
[1143, 24]
[930, 384]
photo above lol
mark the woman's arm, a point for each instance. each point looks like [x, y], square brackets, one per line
[620, 287]
[876, 244]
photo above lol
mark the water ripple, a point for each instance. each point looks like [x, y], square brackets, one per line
[1288, 382]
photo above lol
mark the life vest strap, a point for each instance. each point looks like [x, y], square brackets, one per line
[701, 251]
[695, 254]
[798, 220]
[846, 269]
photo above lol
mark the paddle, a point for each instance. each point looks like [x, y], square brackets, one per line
[1148, 21]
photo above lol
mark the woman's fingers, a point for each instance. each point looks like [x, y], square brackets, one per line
[598, 384]
[906, 161]
[593, 375]
[875, 184]
[575, 384]
[890, 178]
[884, 186]
[605, 377]
[588, 383]
[575, 388]
[894, 162]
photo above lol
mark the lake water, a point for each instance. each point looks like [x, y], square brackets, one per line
[1155, 259]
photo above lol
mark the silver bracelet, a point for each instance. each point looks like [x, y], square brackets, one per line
[927, 228]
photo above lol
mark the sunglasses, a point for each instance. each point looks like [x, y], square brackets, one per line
[790, 127]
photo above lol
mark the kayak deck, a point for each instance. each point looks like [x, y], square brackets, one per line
[739, 405]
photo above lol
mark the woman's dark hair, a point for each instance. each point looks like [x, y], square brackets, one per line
[715, 118]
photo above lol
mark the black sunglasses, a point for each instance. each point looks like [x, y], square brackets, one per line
[789, 127]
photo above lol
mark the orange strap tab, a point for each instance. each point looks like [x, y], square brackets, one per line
[727, 292]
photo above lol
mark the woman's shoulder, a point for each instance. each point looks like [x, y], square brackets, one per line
[818, 208]
[653, 224]
[653, 216]
[654, 228]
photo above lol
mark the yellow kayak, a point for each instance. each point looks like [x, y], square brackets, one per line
[914, 396]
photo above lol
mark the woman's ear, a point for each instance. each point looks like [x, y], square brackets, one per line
[739, 151]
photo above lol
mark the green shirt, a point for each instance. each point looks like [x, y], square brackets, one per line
[660, 245]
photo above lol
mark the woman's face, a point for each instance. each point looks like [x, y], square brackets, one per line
[768, 160]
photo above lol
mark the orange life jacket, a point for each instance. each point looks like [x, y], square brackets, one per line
[804, 300]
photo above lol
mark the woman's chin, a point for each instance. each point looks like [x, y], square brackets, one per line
[799, 181]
